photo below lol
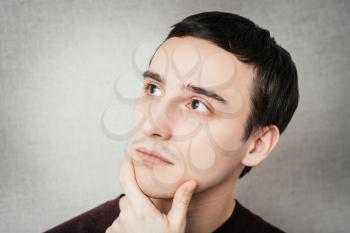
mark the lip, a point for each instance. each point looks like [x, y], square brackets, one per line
[153, 157]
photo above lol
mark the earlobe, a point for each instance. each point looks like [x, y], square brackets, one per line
[261, 146]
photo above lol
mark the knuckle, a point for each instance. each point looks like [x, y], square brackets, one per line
[184, 201]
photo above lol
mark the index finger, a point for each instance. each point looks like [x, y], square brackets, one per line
[128, 182]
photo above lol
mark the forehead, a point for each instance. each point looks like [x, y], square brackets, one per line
[202, 63]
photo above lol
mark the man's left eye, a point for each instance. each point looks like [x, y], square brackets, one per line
[200, 105]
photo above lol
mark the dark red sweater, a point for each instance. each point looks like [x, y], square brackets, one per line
[98, 219]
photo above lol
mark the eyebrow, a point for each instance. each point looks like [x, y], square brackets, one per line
[189, 87]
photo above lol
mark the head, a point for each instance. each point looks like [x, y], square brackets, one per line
[218, 93]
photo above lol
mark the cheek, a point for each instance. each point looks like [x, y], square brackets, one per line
[187, 128]
[201, 155]
[206, 163]
[226, 134]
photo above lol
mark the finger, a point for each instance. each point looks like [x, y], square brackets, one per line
[126, 207]
[115, 227]
[128, 182]
[181, 201]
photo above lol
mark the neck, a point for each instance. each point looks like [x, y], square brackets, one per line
[208, 209]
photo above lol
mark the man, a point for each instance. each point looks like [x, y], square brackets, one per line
[217, 94]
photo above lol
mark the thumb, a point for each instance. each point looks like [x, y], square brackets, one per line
[181, 201]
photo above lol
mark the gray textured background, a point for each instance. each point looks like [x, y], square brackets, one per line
[59, 61]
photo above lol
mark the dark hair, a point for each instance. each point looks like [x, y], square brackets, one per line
[275, 93]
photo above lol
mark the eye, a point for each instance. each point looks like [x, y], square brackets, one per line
[151, 87]
[197, 104]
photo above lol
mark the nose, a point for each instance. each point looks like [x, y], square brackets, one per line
[159, 123]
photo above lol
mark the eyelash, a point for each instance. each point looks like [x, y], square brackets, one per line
[146, 88]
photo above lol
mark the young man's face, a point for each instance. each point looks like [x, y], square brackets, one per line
[200, 135]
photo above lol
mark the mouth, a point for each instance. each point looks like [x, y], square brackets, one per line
[152, 157]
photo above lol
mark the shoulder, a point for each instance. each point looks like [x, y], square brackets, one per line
[253, 222]
[245, 221]
[97, 219]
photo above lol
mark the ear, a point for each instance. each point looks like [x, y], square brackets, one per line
[261, 146]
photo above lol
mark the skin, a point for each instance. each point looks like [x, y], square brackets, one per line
[201, 136]
[138, 213]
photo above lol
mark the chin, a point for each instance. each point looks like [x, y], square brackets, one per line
[159, 194]
[149, 181]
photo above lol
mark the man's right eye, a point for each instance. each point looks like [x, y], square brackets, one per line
[150, 88]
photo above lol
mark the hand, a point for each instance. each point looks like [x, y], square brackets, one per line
[139, 214]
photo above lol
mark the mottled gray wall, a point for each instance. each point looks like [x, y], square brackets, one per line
[59, 61]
